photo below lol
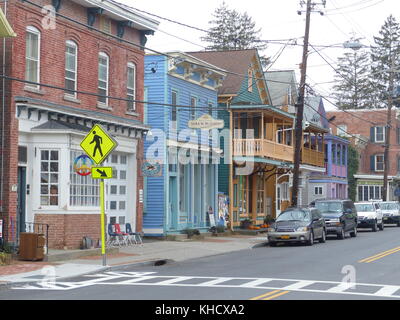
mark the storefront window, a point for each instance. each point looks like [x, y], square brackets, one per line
[84, 191]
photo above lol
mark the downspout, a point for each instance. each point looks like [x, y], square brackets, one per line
[2, 119]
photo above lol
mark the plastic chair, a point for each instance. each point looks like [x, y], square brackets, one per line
[134, 235]
[113, 238]
[122, 235]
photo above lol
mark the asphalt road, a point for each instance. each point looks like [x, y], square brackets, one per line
[363, 268]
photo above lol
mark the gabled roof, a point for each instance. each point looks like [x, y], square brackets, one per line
[279, 83]
[236, 62]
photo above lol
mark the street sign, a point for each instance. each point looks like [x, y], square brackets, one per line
[98, 144]
[102, 172]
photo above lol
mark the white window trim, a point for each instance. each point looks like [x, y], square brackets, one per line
[73, 44]
[133, 96]
[379, 155]
[320, 190]
[104, 55]
[376, 135]
[33, 30]
[49, 206]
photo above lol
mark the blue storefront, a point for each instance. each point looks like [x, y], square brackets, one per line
[182, 193]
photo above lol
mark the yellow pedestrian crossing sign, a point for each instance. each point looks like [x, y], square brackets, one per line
[102, 172]
[98, 144]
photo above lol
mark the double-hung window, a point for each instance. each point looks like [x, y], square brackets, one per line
[32, 56]
[71, 67]
[380, 134]
[174, 110]
[131, 87]
[104, 62]
[193, 104]
[379, 162]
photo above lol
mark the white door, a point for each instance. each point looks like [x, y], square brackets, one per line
[116, 190]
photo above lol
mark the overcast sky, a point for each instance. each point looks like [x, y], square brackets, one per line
[278, 19]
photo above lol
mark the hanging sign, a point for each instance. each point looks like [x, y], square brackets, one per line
[83, 165]
[206, 122]
[102, 172]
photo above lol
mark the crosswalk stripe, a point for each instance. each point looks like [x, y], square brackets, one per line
[387, 291]
[298, 285]
[254, 283]
[214, 282]
[173, 280]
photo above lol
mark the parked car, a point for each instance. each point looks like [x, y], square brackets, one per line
[340, 216]
[369, 215]
[298, 225]
[391, 212]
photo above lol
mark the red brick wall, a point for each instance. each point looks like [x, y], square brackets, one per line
[362, 126]
[67, 230]
[21, 14]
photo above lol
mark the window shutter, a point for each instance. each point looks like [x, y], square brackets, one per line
[372, 134]
[372, 163]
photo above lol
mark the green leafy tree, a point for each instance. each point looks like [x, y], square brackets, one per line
[353, 85]
[385, 57]
[353, 163]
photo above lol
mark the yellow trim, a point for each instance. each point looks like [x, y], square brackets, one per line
[5, 27]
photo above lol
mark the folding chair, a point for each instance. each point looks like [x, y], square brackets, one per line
[134, 235]
[122, 235]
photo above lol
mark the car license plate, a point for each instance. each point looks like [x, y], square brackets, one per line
[285, 237]
[385, 218]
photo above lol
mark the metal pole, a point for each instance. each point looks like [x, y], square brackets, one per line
[300, 110]
[102, 223]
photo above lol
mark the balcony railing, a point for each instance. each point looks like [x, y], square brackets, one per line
[262, 148]
[313, 157]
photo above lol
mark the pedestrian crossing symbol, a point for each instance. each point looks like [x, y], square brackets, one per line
[98, 144]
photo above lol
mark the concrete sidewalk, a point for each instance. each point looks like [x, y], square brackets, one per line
[149, 253]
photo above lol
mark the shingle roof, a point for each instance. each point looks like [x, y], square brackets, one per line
[233, 61]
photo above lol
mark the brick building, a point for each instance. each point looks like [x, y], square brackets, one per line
[366, 131]
[63, 51]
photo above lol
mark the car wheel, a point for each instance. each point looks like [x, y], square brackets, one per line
[310, 242]
[398, 224]
[323, 238]
[272, 244]
[353, 234]
[341, 234]
[382, 226]
[375, 227]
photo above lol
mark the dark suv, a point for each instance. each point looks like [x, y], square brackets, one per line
[340, 216]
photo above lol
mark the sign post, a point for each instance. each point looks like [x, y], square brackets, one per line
[98, 145]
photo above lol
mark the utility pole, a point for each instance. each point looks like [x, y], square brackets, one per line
[300, 103]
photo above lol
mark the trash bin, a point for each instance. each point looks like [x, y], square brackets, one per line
[31, 246]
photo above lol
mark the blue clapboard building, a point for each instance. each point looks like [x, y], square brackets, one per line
[180, 164]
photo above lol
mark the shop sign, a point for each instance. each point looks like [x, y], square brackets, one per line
[206, 122]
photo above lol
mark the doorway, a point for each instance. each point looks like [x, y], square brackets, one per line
[21, 201]
[173, 203]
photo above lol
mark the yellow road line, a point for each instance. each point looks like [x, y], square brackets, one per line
[380, 255]
[277, 295]
[265, 295]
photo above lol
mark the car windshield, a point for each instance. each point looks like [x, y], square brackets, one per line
[364, 207]
[294, 215]
[329, 207]
[389, 206]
